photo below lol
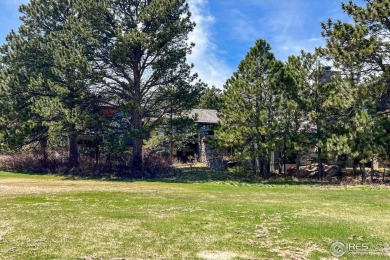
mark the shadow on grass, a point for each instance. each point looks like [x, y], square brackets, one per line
[186, 175]
[178, 175]
[27, 172]
[204, 175]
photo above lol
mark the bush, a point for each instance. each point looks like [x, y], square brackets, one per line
[241, 171]
[155, 166]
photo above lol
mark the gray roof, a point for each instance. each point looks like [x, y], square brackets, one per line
[206, 116]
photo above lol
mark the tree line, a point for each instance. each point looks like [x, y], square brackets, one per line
[70, 58]
[301, 104]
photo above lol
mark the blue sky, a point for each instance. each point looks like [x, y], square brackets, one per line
[226, 29]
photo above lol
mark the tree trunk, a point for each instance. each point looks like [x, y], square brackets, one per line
[354, 167]
[171, 134]
[268, 169]
[43, 144]
[136, 111]
[363, 173]
[256, 161]
[372, 170]
[284, 156]
[264, 169]
[384, 172]
[171, 149]
[137, 155]
[297, 165]
[261, 168]
[284, 163]
[254, 165]
[320, 165]
[137, 165]
[280, 168]
[73, 148]
[97, 151]
[321, 170]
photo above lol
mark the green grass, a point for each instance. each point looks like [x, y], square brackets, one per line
[51, 217]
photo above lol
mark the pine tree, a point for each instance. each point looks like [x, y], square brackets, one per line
[48, 62]
[361, 52]
[364, 42]
[320, 105]
[142, 53]
[292, 132]
[248, 109]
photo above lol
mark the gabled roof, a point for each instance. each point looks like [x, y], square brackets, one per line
[206, 116]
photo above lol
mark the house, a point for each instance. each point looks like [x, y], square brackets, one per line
[206, 121]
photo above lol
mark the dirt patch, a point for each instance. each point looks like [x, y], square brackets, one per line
[296, 252]
[19, 186]
[269, 233]
[4, 229]
[221, 256]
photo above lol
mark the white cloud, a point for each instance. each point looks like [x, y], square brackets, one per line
[288, 45]
[209, 64]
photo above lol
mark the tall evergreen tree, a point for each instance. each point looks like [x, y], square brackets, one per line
[292, 130]
[361, 52]
[48, 62]
[320, 105]
[249, 104]
[142, 53]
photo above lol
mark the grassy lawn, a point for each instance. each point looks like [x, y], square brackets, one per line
[51, 217]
